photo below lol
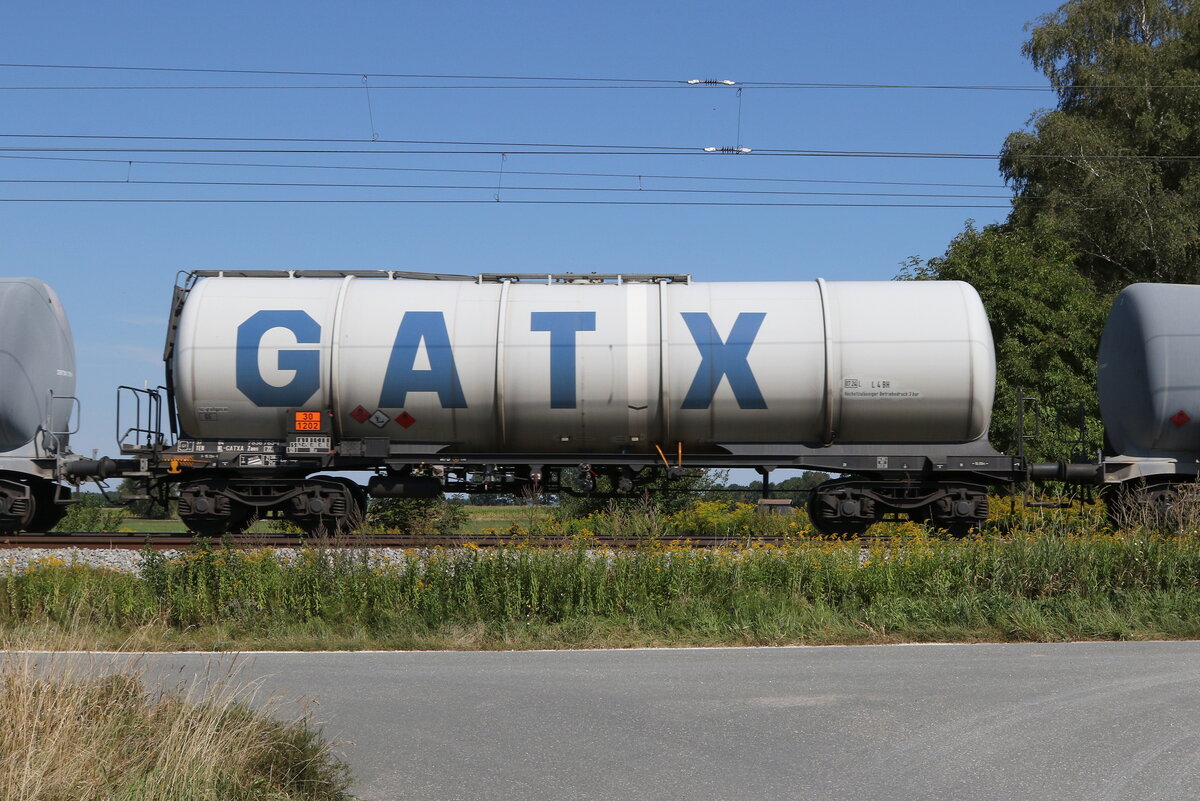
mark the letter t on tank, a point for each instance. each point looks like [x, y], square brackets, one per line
[563, 326]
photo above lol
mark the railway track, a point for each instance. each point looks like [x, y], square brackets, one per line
[175, 540]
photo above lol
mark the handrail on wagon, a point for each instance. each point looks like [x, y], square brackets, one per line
[587, 278]
[481, 278]
[392, 274]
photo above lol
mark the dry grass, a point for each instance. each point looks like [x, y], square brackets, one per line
[79, 727]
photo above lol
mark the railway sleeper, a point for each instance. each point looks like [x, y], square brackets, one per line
[849, 506]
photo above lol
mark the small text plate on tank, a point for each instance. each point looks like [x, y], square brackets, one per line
[876, 389]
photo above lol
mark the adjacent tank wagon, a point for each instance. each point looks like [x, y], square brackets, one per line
[37, 388]
[1149, 389]
[521, 382]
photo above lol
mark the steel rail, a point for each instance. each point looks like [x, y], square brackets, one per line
[177, 540]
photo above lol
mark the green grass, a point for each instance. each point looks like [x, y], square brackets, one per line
[143, 525]
[500, 519]
[1027, 586]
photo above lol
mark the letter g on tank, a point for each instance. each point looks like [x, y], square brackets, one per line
[306, 362]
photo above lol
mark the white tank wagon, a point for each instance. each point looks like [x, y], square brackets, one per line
[37, 388]
[497, 383]
[464, 367]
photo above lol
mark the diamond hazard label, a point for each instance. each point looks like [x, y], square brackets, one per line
[379, 419]
[1180, 417]
[360, 414]
[405, 419]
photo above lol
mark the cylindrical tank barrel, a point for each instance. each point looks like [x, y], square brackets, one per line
[522, 367]
[1149, 371]
[37, 364]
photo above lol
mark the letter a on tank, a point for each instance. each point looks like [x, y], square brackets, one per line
[306, 363]
[402, 377]
[726, 359]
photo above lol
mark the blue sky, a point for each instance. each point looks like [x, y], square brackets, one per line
[114, 263]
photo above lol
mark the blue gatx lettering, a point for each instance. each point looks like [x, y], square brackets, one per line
[306, 363]
[441, 377]
[724, 360]
[719, 359]
[562, 327]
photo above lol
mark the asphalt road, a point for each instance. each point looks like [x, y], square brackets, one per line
[1096, 721]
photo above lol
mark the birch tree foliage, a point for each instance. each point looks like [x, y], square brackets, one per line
[1115, 168]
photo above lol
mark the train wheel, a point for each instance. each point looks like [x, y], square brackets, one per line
[330, 506]
[47, 512]
[210, 509]
[209, 527]
[206, 523]
[18, 505]
[12, 523]
[959, 514]
[822, 511]
[359, 494]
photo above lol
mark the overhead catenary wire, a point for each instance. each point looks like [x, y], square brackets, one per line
[314, 140]
[510, 148]
[130, 149]
[519, 188]
[583, 81]
[492, 152]
[460, 170]
[493, 202]
[29, 146]
[778, 153]
[329, 74]
[491, 87]
[329, 87]
[636, 189]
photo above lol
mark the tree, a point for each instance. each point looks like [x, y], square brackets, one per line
[1107, 193]
[1046, 320]
[1113, 169]
[416, 516]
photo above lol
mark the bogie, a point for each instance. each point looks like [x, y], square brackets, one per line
[18, 505]
[321, 505]
[851, 506]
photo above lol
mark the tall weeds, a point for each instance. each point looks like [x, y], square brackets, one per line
[1027, 585]
[97, 519]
